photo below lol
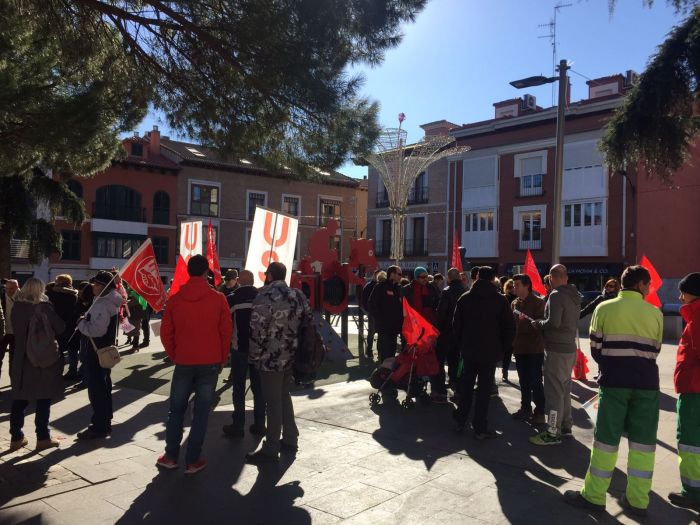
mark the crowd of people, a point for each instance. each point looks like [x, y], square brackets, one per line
[483, 323]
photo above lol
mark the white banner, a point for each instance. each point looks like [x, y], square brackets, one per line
[190, 239]
[273, 238]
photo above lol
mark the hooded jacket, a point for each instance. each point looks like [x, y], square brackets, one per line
[560, 323]
[686, 377]
[101, 322]
[196, 327]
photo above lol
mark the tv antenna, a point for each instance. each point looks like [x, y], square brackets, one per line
[552, 26]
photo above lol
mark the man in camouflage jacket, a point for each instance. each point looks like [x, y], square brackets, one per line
[278, 312]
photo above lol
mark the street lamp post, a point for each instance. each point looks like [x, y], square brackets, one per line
[559, 157]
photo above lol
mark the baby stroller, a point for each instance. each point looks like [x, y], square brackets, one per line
[409, 371]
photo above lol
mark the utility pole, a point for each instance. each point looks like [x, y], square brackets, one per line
[559, 162]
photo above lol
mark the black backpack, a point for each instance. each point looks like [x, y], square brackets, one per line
[311, 352]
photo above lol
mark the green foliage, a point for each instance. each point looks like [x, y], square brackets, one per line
[657, 123]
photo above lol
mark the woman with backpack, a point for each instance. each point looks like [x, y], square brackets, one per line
[37, 366]
[98, 329]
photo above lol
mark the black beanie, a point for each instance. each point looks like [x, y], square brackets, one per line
[690, 284]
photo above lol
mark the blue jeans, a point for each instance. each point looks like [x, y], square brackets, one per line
[529, 368]
[240, 369]
[41, 418]
[200, 379]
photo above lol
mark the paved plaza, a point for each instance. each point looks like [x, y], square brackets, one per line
[356, 464]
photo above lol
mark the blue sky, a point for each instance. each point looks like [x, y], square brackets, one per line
[456, 60]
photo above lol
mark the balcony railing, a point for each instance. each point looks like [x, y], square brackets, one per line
[528, 245]
[383, 248]
[19, 249]
[530, 192]
[416, 246]
[119, 212]
[418, 195]
[382, 200]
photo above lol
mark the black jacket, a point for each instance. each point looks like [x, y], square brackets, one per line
[595, 302]
[64, 301]
[386, 307]
[241, 304]
[447, 304]
[366, 292]
[483, 324]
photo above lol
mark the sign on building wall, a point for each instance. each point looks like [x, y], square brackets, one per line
[273, 239]
[190, 239]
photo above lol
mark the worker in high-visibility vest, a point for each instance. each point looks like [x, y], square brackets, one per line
[626, 334]
[686, 379]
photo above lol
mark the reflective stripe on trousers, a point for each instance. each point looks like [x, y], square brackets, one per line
[640, 469]
[600, 471]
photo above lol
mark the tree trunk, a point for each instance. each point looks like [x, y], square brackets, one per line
[5, 266]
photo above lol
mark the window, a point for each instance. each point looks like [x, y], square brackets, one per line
[137, 149]
[479, 221]
[75, 187]
[530, 230]
[117, 246]
[204, 200]
[418, 194]
[160, 247]
[255, 199]
[328, 209]
[290, 205]
[71, 245]
[383, 248]
[531, 168]
[161, 208]
[585, 214]
[118, 203]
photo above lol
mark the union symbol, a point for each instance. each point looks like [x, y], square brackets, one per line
[147, 276]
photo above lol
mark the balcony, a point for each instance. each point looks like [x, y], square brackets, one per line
[418, 195]
[118, 212]
[414, 247]
[531, 185]
[530, 192]
[382, 200]
[382, 248]
[528, 245]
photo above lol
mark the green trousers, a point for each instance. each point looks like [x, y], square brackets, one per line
[635, 412]
[689, 444]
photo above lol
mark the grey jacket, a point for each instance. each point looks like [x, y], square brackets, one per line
[560, 323]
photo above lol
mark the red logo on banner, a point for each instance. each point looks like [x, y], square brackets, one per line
[142, 274]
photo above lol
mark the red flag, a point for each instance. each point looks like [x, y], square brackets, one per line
[212, 256]
[416, 330]
[181, 276]
[656, 282]
[141, 272]
[456, 259]
[531, 271]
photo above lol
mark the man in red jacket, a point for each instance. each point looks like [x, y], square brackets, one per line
[686, 379]
[196, 333]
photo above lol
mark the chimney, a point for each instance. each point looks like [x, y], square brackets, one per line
[154, 141]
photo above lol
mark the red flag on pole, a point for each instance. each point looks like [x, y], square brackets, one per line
[212, 256]
[181, 276]
[456, 259]
[531, 271]
[141, 272]
[656, 282]
[416, 330]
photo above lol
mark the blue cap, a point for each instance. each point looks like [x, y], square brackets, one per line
[418, 271]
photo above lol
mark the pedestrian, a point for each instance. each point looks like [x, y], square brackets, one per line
[240, 304]
[547, 283]
[64, 299]
[278, 314]
[137, 313]
[484, 327]
[230, 283]
[75, 366]
[371, 330]
[439, 281]
[612, 288]
[686, 379]
[528, 347]
[146, 326]
[422, 296]
[7, 344]
[559, 328]
[98, 329]
[196, 333]
[447, 349]
[508, 289]
[30, 382]
[626, 334]
[386, 306]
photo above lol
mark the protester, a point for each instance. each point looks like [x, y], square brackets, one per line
[137, 313]
[422, 296]
[404, 282]
[230, 283]
[99, 330]
[447, 348]
[29, 382]
[508, 291]
[626, 334]
[146, 326]
[547, 282]
[484, 328]
[439, 281]
[612, 288]
[559, 326]
[528, 347]
[686, 380]
[64, 299]
[278, 313]
[240, 304]
[196, 333]
[85, 298]
[7, 345]
[386, 306]
[366, 292]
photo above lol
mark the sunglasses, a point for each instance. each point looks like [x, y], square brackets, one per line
[422, 276]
